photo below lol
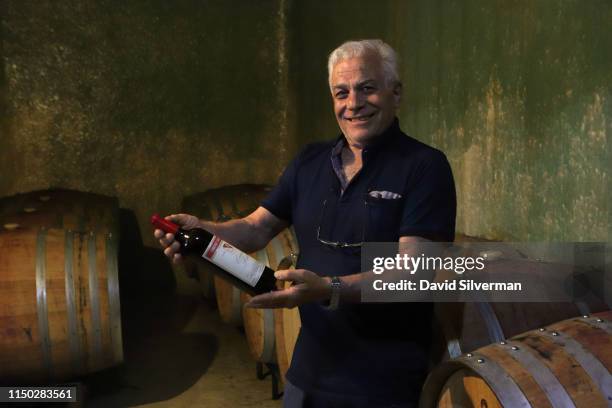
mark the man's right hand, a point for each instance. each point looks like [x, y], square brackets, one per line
[170, 246]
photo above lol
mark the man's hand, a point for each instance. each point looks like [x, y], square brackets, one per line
[171, 247]
[307, 287]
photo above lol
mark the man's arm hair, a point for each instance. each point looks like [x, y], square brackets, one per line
[351, 284]
[249, 234]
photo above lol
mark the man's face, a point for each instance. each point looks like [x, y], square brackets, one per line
[363, 104]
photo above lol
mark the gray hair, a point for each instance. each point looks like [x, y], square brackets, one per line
[352, 49]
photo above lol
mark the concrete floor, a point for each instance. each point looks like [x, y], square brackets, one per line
[179, 354]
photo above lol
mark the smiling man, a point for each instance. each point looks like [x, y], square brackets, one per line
[373, 183]
[366, 97]
[365, 94]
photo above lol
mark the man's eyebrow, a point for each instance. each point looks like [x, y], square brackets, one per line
[359, 84]
[366, 81]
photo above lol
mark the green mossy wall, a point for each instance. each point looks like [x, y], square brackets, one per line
[152, 101]
[148, 101]
[516, 93]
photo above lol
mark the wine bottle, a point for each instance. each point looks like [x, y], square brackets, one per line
[231, 263]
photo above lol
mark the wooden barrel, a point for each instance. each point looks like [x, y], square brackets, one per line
[229, 302]
[259, 323]
[567, 364]
[57, 208]
[287, 324]
[59, 304]
[468, 326]
[222, 204]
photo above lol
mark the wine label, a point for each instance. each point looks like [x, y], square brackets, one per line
[233, 261]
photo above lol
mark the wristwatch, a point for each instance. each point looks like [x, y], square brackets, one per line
[335, 293]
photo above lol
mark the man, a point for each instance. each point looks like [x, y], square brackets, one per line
[372, 184]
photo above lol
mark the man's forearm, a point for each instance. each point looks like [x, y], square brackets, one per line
[350, 288]
[351, 285]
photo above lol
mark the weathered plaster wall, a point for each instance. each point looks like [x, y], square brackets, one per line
[517, 93]
[148, 101]
[151, 102]
[315, 28]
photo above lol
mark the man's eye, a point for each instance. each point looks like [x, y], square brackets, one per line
[368, 88]
[341, 94]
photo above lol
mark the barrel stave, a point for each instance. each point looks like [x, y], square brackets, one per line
[260, 323]
[55, 275]
[571, 375]
[20, 352]
[594, 339]
[287, 325]
[565, 364]
[519, 374]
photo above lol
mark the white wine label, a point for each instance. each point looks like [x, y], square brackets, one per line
[233, 261]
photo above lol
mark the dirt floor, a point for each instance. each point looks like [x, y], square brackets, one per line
[178, 353]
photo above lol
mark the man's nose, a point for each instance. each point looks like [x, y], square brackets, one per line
[355, 101]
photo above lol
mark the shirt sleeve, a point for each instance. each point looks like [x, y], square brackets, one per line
[430, 204]
[280, 200]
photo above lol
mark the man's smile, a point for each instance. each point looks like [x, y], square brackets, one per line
[360, 118]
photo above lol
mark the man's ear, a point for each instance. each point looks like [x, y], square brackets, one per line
[397, 93]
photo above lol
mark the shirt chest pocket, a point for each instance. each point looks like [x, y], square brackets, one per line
[383, 218]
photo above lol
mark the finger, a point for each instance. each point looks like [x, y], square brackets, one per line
[273, 300]
[158, 233]
[169, 252]
[177, 258]
[175, 246]
[186, 221]
[176, 218]
[166, 240]
[268, 304]
[296, 275]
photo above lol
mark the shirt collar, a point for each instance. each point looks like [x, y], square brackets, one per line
[377, 144]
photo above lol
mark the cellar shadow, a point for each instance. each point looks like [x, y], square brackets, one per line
[161, 359]
[140, 267]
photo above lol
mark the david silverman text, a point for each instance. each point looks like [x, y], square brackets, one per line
[462, 284]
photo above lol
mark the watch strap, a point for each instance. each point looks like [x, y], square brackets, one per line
[334, 299]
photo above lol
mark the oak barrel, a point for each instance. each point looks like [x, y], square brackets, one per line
[467, 326]
[60, 208]
[59, 304]
[566, 364]
[222, 204]
[259, 323]
[287, 324]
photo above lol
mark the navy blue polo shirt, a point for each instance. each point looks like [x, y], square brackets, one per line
[379, 350]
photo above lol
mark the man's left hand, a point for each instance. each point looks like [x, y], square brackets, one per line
[307, 287]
